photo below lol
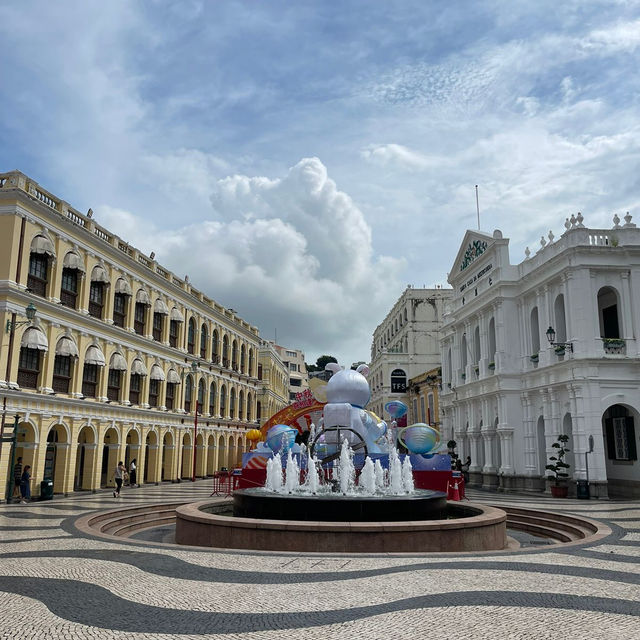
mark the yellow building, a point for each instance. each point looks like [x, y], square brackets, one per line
[274, 378]
[423, 393]
[118, 357]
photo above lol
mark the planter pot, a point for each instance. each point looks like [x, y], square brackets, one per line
[559, 492]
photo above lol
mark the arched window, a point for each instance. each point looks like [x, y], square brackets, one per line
[258, 411]
[188, 393]
[232, 403]
[234, 355]
[204, 338]
[191, 336]
[398, 381]
[39, 260]
[463, 352]
[608, 313]
[240, 405]
[121, 294]
[248, 406]
[223, 401]
[619, 432]
[140, 312]
[33, 343]
[99, 281]
[201, 395]
[72, 267]
[476, 345]
[66, 353]
[250, 362]
[242, 359]
[212, 399]
[535, 332]
[225, 351]
[259, 371]
[215, 355]
[492, 341]
[560, 319]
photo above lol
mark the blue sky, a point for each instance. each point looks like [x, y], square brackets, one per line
[304, 161]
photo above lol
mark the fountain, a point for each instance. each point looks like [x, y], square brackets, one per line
[350, 491]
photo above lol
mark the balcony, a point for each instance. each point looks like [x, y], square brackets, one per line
[614, 346]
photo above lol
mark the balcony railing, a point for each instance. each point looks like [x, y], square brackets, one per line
[617, 346]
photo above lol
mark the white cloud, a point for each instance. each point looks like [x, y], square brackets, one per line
[396, 154]
[292, 254]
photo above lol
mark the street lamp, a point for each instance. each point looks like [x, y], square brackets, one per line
[30, 311]
[551, 337]
[194, 368]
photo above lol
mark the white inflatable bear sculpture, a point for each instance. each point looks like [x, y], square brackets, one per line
[347, 394]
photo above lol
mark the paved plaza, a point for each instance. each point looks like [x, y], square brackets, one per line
[58, 583]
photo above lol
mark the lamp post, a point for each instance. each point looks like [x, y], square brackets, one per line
[194, 367]
[551, 337]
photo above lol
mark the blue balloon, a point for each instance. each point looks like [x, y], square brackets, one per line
[281, 437]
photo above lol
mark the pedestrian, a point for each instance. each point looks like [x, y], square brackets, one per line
[465, 469]
[25, 484]
[132, 473]
[118, 476]
[17, 478]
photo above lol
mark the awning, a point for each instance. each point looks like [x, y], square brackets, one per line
[176, 315]
[66, 347]
[33, 338]
[73, 261]
[138, 368]
[40, 244]
[143, 297]
[94, 356]
[156, 373]
[122, 286]
[118, 362]
[159, 306]
[99, 274]
[173, 377]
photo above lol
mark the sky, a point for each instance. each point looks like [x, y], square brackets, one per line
[303, 162]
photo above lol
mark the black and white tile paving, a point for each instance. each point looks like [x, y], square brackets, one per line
[58, 583]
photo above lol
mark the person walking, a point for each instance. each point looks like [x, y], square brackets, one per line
[25, 485]
[17, 478]
[118, 476]
[133, 473]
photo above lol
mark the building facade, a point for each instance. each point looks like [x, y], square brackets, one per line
[294, 362]
[546, 347]
[273, 374]
[423, 395]
[120, 355]
[405, 344]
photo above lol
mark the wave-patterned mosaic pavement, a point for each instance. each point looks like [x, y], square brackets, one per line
[57, 583]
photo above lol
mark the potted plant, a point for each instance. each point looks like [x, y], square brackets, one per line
[558, 467]
[492, 365]
[533, 357]
[463, 375]
[559, 349]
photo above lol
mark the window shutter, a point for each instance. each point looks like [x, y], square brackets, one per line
[631, 438]
[611, 441]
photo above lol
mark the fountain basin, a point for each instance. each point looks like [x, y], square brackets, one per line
[473, 527]
[335, 507]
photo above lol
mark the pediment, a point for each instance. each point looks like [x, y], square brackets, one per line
[474, 246]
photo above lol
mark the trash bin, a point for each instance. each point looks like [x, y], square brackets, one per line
[46, 490]
[582, 491]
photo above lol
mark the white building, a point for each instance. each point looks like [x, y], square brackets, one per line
[405, 344]
[507, 392]
[294, 362]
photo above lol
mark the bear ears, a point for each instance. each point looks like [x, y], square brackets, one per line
[334, 367]
[363, 369]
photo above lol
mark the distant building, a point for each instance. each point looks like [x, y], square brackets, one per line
[294, 362]
[508, 392]
[423, 393]
[273, 376]
[405, 344]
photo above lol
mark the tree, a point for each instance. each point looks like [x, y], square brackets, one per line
[320, 363]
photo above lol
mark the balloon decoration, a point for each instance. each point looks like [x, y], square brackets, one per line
[395, 409]
[419, 438]
[281, 438]
[253, 435]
